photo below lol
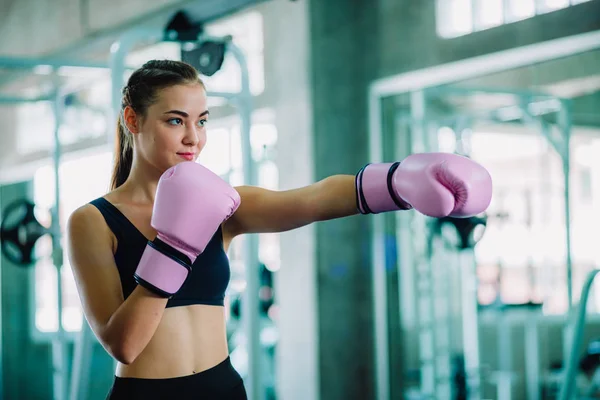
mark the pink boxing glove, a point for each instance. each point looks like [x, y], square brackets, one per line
[435, 184]
[190, 204]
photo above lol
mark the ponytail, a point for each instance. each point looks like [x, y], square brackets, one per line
[123, 157]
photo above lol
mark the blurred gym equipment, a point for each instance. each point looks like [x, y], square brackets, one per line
[20, 234]
[577, 325]
[20, 231]
[417, 100]
[453, 277]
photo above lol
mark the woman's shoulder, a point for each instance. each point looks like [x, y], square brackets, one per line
[90, 213]
[87, 222]
[86, 214]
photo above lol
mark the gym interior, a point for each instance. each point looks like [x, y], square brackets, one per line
[501, 305]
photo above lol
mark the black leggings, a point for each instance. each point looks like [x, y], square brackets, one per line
[221, 382]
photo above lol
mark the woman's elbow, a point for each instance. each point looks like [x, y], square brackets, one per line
[121, 351]
[123, 354]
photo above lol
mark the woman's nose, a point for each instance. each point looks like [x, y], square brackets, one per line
[192, 136]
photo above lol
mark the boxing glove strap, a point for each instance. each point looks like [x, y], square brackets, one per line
[170, 251]
[164, 252]
[361, 201]
[147, 285]
[402, 205]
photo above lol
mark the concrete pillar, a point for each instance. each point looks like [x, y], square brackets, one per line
[288, 85]
[344, 49]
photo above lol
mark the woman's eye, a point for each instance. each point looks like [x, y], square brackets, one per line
[175, 121]
[202, 122]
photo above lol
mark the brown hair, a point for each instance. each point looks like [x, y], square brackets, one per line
[140, 93]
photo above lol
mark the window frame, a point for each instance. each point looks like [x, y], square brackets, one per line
[540, 7]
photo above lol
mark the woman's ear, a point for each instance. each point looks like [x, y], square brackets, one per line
[131, 120]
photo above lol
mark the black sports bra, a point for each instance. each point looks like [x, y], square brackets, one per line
[206, 283]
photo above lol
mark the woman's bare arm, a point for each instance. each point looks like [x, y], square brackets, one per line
[263, 210]
[124, 328]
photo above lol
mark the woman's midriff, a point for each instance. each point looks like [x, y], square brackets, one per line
[188, 340]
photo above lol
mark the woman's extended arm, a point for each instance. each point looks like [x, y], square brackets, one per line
[263, 210]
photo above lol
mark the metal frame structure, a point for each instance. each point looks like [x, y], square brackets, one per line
[76, 385]
[415, 83]
[433, 271]
[56, 97]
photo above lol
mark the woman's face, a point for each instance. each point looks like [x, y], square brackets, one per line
[173, 129]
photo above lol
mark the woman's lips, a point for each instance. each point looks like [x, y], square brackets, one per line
[187, 156]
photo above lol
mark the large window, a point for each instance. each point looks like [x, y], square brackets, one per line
[81, 180]
[246, 31]
[85, 116]
[522, 256]
[461, 17]
[223, 153]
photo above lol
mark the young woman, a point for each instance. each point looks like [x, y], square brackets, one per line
[149, 257]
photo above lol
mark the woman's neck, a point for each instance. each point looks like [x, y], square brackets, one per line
[141, 183]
